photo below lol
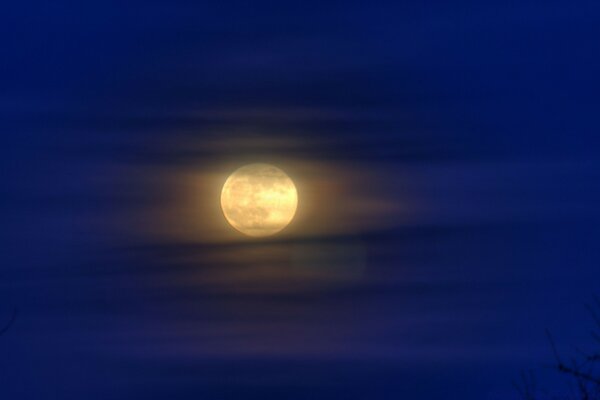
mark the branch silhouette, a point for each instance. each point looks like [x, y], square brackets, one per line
[10, 322]
[582, 378]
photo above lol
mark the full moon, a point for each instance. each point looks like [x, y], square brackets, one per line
[259, 199]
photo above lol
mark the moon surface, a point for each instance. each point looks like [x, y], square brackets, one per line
[259, 199]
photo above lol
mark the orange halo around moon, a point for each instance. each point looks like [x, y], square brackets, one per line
[259, 200]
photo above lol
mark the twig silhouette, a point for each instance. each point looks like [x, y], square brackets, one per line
[12, 319]
[582, 381]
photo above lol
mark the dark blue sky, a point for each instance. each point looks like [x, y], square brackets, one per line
[446, 155]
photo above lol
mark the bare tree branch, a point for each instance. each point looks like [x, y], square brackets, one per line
[583, 381]
[10, 322]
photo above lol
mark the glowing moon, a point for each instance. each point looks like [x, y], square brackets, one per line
[259, 199]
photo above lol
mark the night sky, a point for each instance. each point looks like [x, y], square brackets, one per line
[446, 156]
